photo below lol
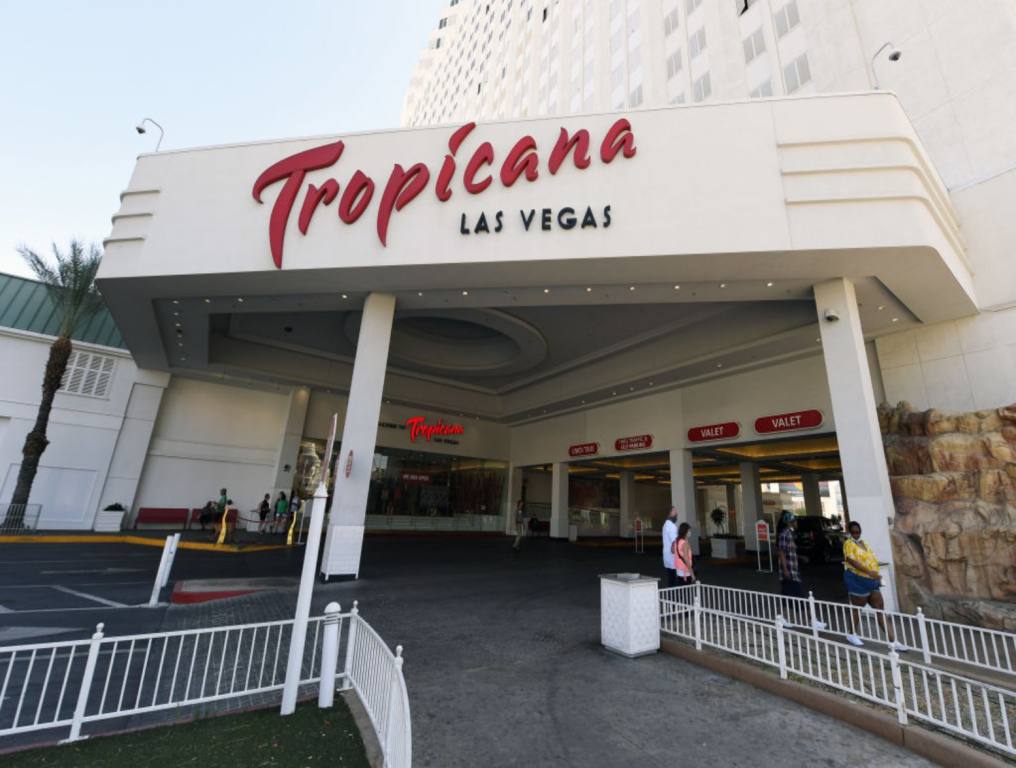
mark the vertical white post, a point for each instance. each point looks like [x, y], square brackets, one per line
[86, 684]
[697, 612]
[751, 503]
[682, 494]
[627, 503]
[857, 431]
[344, 543]
[922, 628]
[173, 546]
[812, 494]
[354, 620]
[394, 701]
[329, 655]
[559, 519]
[813, 617]
[901, 704]
[157, 585]
[298, 637]
[781, 650]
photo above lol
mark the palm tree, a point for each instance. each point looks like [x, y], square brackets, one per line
[71, 285]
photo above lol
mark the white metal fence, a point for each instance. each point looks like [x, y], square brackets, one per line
[72, 684]
[932, 638]
[19, 518]
[970, 708]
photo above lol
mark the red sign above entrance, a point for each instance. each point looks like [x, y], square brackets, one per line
[723, 431]
[418, 426]
[633, 443]
[405, 184]
[788, 422]
[583, 449]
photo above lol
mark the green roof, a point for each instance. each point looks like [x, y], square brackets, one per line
[26, 306]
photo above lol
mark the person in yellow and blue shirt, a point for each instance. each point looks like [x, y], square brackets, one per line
[864, 583]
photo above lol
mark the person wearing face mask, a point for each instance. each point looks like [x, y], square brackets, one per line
[864, 582]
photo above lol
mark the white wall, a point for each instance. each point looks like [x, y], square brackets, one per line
[209, 436]
[82, 431]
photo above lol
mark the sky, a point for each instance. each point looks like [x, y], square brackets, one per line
[76, 76]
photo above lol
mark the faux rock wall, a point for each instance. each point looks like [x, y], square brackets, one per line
[953, 479]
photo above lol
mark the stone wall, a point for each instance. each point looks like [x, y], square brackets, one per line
[953, 478]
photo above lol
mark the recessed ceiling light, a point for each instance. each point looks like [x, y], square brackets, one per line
[896, 319]
[240, 299]
[178, 325]
[769, 284]
[419, 293]
[881, 307]
[613, 393]
[176, 314]
[179, 343]
[723, 285]
[631, 287]
[208, 301]
[176, 301]
[819, 340]
[631, 389]
[582, 402]
[677, 287]
[465, 293]
[650, 383]
[344, 296]
[546, 290]
[719, 365]
[589, 290]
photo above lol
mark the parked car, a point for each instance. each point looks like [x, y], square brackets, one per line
[819, 540]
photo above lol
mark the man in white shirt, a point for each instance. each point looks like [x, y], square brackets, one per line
[669, 537]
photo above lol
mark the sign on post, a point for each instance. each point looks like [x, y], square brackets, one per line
[762, 537]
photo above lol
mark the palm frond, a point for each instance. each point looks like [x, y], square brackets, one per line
[70, 281]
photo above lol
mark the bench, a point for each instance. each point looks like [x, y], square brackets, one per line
[178, 516]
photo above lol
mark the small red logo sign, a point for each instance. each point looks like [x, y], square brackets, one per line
[762, 530]
[418, 426]
[788, 422]
[633, 443]
[583, 449]
[714, 432]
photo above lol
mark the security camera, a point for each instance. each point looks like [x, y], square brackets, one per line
[139, 128]
[895, 55]
[832, 316]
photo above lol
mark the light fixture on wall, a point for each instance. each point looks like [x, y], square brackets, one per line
[140, 128]
[895, 54]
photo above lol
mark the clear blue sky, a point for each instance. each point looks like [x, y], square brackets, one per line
[77, 75]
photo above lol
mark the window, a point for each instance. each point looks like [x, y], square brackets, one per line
[442, 23]
[673, 64]
[697, 43]
[453, 3]
[691, 5]
[741, 6]
[88, 373]
[702, 88]
[754, 45]
[786, 18]
[797, 73]
[763, 91]
[635, 98]
[670, 22]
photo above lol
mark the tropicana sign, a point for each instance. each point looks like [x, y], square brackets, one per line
[405, 184]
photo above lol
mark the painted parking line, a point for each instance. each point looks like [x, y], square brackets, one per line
[86, 596]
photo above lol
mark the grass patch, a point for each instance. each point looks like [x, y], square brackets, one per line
[308, 737]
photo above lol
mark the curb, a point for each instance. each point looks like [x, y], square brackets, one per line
[144, 541]
[371, 745]
[936, 747]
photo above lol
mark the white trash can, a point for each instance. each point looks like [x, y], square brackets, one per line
[629, 614]
[573, 533]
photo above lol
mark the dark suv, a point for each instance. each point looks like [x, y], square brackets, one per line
[819, 540]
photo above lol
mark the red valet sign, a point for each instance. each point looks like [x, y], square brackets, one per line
[633, 443]
[354, 196]
[723, 431]
[788, 422]
[584, 449]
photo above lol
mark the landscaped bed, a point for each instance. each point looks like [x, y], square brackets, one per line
[310, 736]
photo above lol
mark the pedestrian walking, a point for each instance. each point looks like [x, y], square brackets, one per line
[864, 583]
[264, 510]
[520, 524]
[670, 546]
[683, 557]
[281, 508]
[790, 570]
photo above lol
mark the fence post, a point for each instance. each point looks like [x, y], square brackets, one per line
[697, 609]
[394, 701]
[86, 684]
[698, 591]
[781, 650]
[901, 705]
[811, 614]
[154, 599]
[354, 615]
[922, 628]
[174, 544]
[329, 655]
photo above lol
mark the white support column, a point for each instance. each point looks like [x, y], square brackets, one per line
[812, 494]
[627, 517]
[289, 442]
[857, 432]
[514, 494]
[733, 507]
[682, 493]
[751, 502]
[359, 435]
[559, 501]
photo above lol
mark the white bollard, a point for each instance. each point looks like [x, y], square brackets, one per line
[781, 650]
[86, 684]
[329, 655]
[154, 599]
[347, 669]
[173, 545]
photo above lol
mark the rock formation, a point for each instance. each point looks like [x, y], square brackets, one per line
[953, 479]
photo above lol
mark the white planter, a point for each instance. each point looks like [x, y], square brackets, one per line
[724, 549]
[109, 521]
[629, 614]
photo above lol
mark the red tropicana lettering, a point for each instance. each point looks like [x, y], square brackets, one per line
[418, 426]
[401, 188]
[292, 169]
[577, 144]
[404, 185]
[444, 177]
[619, 138]
[522, 158]
[484, 155]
